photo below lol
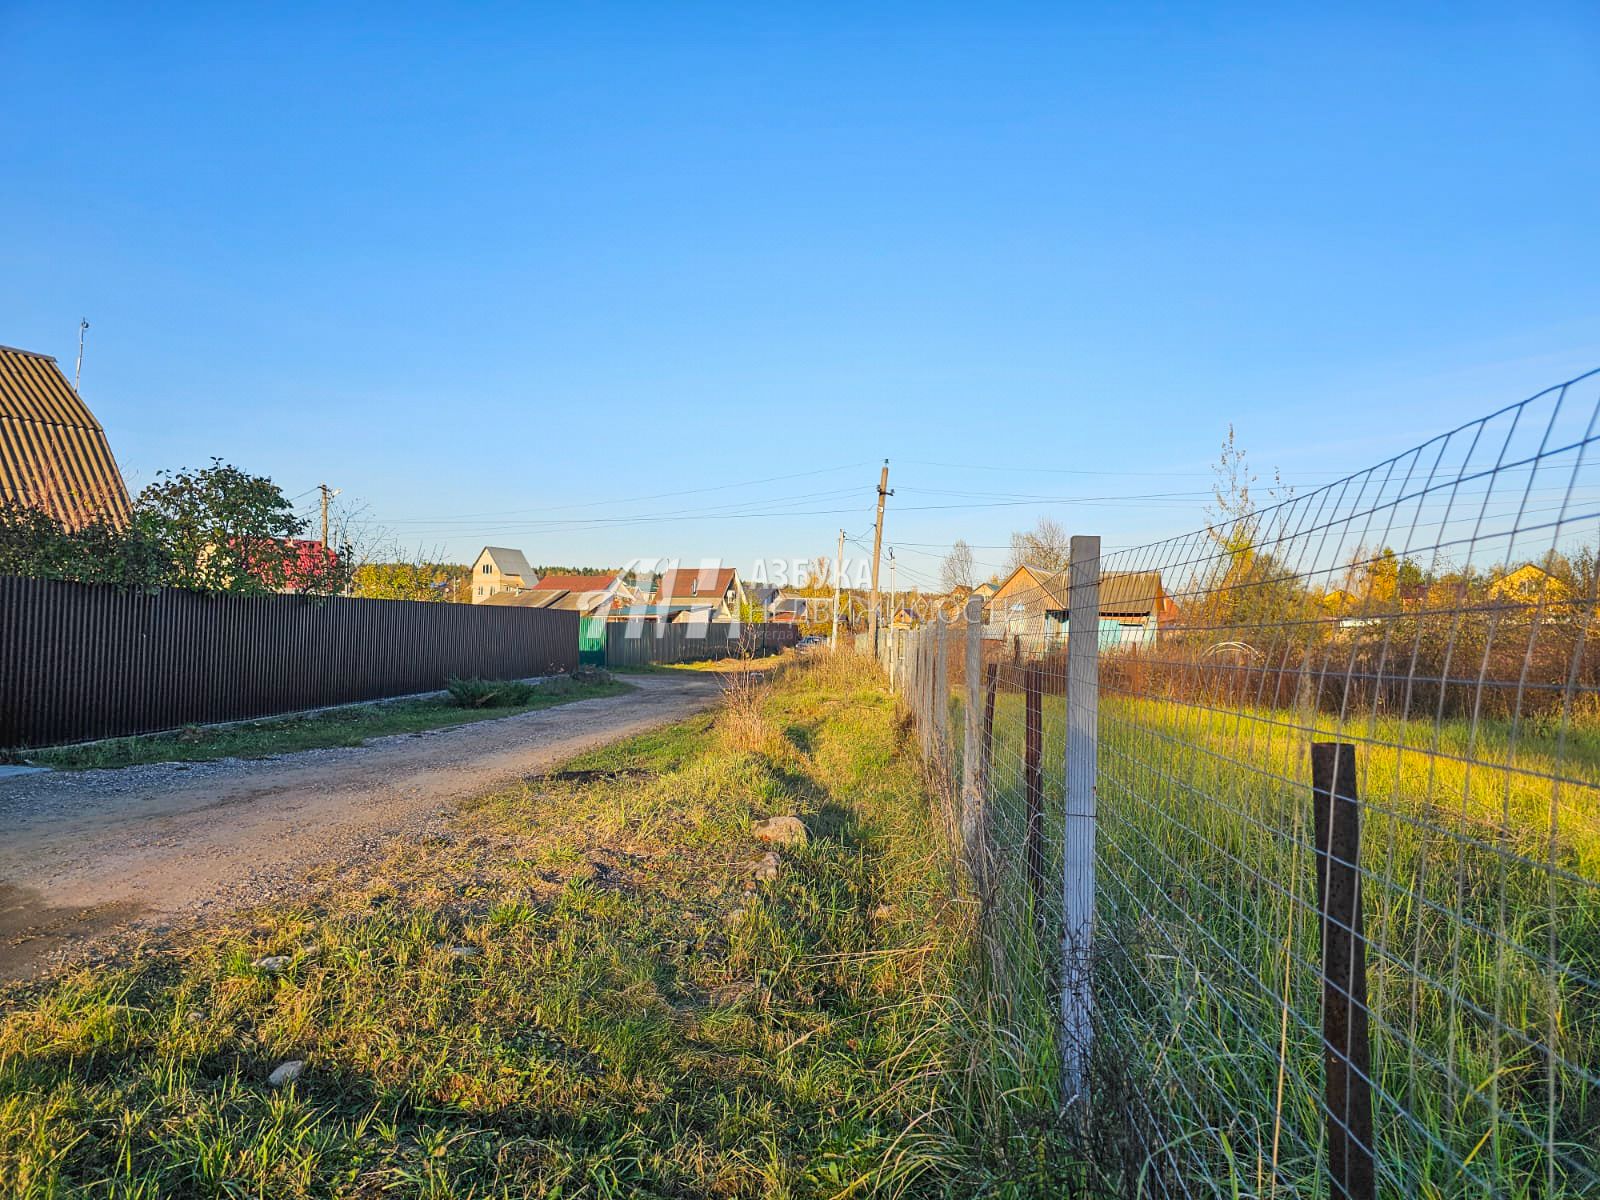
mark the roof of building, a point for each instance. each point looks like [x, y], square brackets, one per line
[1122, 593]
[507, 561]
[693, 584]
[526, 599]
[53, 453]
[576, 583]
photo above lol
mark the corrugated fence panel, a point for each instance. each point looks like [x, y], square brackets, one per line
[638, 645]
[79, 661]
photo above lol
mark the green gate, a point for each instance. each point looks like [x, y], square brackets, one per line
[592, 641]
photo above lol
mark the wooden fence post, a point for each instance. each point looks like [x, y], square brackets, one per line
[1033, 787]
[1346, 1049]
[1078, 865]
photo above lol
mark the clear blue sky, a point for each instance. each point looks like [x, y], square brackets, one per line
[493, 269]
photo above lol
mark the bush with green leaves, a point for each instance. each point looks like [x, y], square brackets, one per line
[33, 543]
[218, 529]
[489, 693]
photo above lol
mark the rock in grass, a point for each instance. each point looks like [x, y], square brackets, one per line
[272, 964]
[782, 831]
[767, 866]
[286, 1073]
[465, 952]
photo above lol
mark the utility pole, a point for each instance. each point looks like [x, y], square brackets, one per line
[892, 592]
[877, 545]
[838, 573]
[327, 494]
[893, 608]
[77, 374]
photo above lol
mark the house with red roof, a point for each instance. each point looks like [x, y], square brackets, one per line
[709, 592]
[587, 595]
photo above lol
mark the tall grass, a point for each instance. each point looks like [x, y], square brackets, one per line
[1481, 862]
[581, 989]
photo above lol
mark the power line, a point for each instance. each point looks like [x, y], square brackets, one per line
[720, 487]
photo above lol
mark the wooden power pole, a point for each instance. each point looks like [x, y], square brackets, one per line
[326, 495]
[877, 547]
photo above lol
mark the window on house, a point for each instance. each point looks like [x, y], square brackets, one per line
[480, 591]
[486, 568]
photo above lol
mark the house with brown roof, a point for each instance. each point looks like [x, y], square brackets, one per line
[53, 453]
[706, 593]
[1032, 603]
[587, 595]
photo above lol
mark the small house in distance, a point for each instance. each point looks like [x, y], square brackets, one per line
[53, 453]
[1133, 606]
[713, 593]
[587, 595]
[1529, 585]
[498, 570]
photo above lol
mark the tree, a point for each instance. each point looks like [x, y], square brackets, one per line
[956, 571]
[1045, 547]
[33, 542]
[228, 531]
[410, 581]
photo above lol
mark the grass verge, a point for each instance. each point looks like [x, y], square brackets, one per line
[597, 985]
[350, 725]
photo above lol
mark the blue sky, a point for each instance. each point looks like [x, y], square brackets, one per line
[497, 271]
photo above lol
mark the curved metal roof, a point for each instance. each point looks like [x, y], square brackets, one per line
[53, 453]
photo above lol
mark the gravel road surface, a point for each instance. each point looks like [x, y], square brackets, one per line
[86, 854]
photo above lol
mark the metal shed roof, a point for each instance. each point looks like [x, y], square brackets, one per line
[53, 453]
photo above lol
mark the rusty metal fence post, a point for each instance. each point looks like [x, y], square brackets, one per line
[974, 837]
[1033, 787]
[1347, 1054]
[986, 759]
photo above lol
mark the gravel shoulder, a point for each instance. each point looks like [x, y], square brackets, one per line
[87, 855]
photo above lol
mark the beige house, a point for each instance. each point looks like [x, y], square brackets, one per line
[498, 570]
[1531, 584]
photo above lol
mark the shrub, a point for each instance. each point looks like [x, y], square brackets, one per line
[489, 693]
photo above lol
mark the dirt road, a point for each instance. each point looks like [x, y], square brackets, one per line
[87, 853]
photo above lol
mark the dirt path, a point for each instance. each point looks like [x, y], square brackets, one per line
[88, 853]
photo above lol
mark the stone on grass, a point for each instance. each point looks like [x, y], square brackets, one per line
[286, 1073]
[782, 831]
[767, 866]
[272, 964]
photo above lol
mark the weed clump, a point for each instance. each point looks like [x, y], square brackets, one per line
[489, 693]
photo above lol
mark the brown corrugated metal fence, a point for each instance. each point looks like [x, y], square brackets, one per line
[631, 644]
[80, 661]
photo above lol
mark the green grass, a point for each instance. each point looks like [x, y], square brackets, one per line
[351, 725]
[1209, 1053]
[642, 1018]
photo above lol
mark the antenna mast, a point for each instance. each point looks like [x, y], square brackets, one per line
[77, 374]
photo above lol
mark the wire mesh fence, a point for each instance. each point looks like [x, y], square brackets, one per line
[1346, 863]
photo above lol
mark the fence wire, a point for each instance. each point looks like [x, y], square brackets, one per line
[1434, 612]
